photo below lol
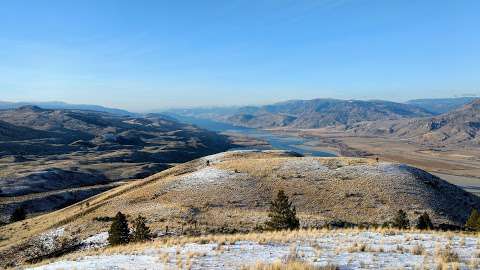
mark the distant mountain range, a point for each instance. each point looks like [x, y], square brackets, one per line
[314, 113]
[65, 106]
[429, 121]
[441, 105]
[460, 126]
[318, 113]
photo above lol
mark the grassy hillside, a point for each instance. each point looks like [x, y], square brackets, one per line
[44, 151]
[233, 194]
[458, 127]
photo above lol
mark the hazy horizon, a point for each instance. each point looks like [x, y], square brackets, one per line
[155, 55]
[214, 105]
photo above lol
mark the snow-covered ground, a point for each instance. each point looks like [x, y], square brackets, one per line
[346, 249]
[224, 155]
[47, 240]
[96, 241]
[207, 175]
[309, 164]
[221, 156]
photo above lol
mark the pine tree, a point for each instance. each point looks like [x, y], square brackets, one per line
[18, 214]
[401, 220]
[424, 222]
[119, 233]
[141, 232]
[282, 214]
[473, 221]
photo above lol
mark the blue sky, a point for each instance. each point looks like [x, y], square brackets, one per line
[143, 55]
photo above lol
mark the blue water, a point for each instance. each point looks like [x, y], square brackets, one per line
[277, 141]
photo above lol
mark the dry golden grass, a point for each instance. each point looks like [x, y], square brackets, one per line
[445, 254]
[444, 257]
[291, 265]
[418, 250]
[140, 196]
[356, 247]
[261, 167]
[239, 203]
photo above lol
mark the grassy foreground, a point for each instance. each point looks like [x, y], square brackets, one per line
[307, 249]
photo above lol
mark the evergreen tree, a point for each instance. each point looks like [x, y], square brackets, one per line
[119, 233]
[282, 214]
[401, 220]
[424, 222]
[473, 221]
[141, 232]
[18, 214]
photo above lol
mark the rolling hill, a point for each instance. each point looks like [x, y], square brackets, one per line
[232, 194]
[461, 126]
[314, 113]
[61, 152]
[58, 105]
[441, 105]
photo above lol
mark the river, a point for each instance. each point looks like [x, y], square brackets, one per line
[277, 141]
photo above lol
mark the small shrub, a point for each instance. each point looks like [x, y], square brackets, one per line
[18, 214]
[103, 219]
[400, 220]
[283, 214]
[473, 221]
[387, 224]
[424, 222]
[141, 232]
[339, 224]
[119, 232]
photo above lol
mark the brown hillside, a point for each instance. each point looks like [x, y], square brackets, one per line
[234, 193]
[461, 126]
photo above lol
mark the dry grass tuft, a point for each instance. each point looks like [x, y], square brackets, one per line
[291, 265]
[418, 250]
[447, 255]
[447, 258]
[357, 248]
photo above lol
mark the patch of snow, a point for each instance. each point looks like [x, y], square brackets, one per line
[303, 164]
[49, 238]
[383, 251]
[381, 170]
[108, 262]
[222, 155]
[96, 241]
[204, 176]
[393, 169]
